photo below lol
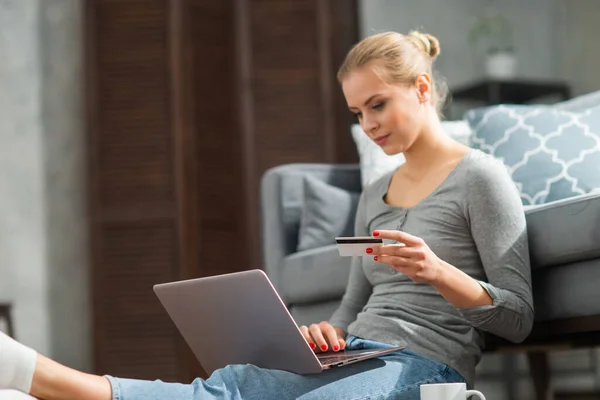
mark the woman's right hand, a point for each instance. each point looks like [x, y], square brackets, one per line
[323, 337]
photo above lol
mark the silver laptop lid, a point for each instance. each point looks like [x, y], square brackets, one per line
[236, 319]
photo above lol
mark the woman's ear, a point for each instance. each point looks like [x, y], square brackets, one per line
[423, 83]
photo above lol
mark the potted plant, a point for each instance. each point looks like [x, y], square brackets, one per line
[492, 33]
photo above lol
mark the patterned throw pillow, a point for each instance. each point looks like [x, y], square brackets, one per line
[551, 154]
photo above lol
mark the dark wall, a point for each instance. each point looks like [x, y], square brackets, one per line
[190, 101]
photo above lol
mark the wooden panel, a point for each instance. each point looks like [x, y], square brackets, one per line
[344, 34]
[286, 73]
[133, 138]
[186, 177]
[219, 164]
[284, 69]
[138, 334]
[134, 214]
[298, 111]
[190, 102]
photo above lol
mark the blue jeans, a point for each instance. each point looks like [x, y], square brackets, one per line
[393, 376]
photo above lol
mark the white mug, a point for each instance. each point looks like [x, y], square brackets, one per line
[448, 391]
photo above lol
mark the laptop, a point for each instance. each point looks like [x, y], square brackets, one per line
[239, 318]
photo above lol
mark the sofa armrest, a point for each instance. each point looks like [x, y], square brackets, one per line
[564, 231]
[282, 197]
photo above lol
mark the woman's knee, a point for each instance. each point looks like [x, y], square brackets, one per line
[236, 375]
[235, 382]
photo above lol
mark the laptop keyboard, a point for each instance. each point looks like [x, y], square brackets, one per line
[336, 358]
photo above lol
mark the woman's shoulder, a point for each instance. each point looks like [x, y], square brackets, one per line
[488, 178]
[483, 168]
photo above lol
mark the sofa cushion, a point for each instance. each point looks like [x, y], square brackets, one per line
[551, 154]
[564, 231]
[580, 103]
[567, 291]
[328, 211]
[314, 275]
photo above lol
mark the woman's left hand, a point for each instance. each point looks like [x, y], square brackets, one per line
[410, 255]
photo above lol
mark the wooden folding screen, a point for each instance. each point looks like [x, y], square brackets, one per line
[189, 102]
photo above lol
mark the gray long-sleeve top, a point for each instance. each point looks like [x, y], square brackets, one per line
[473, 220]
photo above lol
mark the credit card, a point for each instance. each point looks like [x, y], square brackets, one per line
[356, 245]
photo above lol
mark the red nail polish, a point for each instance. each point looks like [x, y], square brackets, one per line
[324, 347]
[376, 233]
[313, 346]
[376, 258]
[369, 250]
[336, 348]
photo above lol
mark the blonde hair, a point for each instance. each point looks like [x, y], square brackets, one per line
[398, 58]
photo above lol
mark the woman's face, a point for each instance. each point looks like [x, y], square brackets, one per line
[391, 115]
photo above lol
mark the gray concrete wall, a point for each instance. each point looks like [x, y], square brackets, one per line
[579, 57]
[44, 263]
[23, 244]
[450, 21]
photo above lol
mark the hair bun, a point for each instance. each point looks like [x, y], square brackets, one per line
[426, 42]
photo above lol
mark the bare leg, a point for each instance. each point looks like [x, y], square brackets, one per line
[53, 381]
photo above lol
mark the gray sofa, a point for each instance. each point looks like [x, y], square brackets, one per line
[564, 244]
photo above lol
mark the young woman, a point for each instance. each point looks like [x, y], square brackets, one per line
[455, 264]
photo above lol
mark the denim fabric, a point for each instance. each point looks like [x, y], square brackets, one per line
[392, 376]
